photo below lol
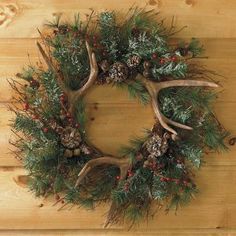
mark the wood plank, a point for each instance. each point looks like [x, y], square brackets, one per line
[118, 232]
[111, 125]
[21, 19]
[214, 207]
[221, 53]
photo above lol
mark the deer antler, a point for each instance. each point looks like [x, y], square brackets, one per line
[73, 96]
[154, 89]
[123, 163]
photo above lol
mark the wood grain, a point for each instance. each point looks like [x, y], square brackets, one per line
[218, 21]
[214, 207]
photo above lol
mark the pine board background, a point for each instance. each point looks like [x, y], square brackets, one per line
[111, 122]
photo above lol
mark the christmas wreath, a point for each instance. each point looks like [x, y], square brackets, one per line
[136, 54]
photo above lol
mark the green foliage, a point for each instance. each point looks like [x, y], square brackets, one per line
[28, 127]
[177, 70]
[192, 153]
[136, 90]
[214, 134]
[195, 47]
[168, 179]
[109, 34]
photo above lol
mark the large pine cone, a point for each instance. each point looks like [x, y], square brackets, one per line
[70, 138]
[157, 146]
[118, 72]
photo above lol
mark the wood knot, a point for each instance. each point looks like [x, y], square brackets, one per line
[190, 2]
[7, 13]
[22, 180]
[232, 141]
[155, 3]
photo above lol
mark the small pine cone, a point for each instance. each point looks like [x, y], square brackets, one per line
[146, 73]
[85, 149]
[146, 164]
[183, 51]
[157, 146]
[63, 29]
[34, 84]
[76, 152]
[133, 61]
[68, 153]
[118, 72]
[70, 138]
[104, 65]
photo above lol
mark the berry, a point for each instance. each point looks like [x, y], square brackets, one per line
[104, 53]
[130, 174]
[174, 58]
[185, 182]
[45, 130]
[26, 106]
[117, 177]
[68, 114]
[77, 125]
[154, 56]
[70, 120]
[126, 187]
[162, 179]
[162, 61]
[62, 98]
[35, 117]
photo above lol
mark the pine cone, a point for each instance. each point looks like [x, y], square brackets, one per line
[157, 146]
[133, 61]
[104, 65]
[118, 72]
[184, 51]
[85, 149]
[70, 138]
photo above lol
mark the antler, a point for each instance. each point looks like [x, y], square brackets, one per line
[154, 89]
[72, 95]
[123, 164]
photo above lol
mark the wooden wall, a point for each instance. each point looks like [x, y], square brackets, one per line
[113, 122]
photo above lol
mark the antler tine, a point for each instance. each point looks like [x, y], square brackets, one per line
[164, 121]
[154, 89]
[123, 164]
[189, 83]
[93, 71]
[75, 95]
[52, 68]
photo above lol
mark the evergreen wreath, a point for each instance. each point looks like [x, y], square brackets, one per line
[134, 54]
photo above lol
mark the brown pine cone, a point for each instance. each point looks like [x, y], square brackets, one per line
[118, 72]
[70, 138]
[157, 146]
[104, 65]
[133, 61]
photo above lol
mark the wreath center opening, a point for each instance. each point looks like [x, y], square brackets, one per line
[113, 118]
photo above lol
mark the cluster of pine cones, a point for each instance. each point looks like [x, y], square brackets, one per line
[70, 138]
[156, 146]
[119, 71]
